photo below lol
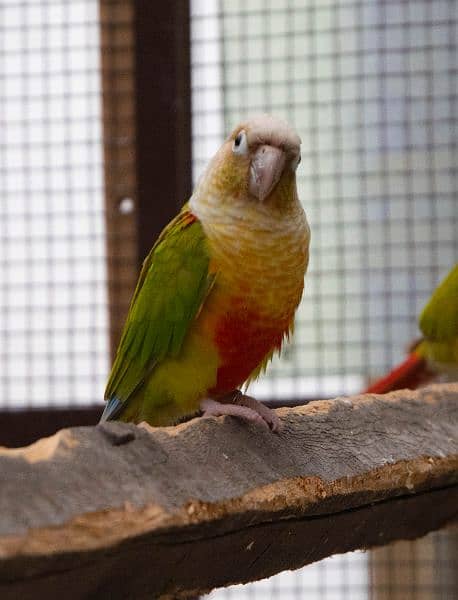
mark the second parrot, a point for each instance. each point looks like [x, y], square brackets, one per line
[436, 352]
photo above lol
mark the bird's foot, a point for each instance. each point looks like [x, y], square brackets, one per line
[268, 415]
[245, 407]
[212, 408]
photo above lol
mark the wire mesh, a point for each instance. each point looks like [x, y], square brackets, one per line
[371, 88]
[420, 570]
[53, 316]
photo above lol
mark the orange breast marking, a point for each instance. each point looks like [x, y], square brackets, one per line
[243, 340]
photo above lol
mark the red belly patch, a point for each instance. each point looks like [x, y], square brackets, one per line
[243, 341]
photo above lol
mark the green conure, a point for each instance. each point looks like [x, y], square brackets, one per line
[437, 351]
[218, 292]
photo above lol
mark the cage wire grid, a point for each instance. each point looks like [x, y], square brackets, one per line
[372, 89]
[53, 319]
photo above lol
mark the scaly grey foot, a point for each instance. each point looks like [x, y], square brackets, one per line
[212, 408]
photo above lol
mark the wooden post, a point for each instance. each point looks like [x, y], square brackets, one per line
[119, 143]
[147, 134]
[162, 115]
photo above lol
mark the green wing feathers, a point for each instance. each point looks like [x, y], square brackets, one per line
[172, 286]
[439, 319]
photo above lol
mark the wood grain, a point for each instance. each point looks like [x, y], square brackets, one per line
[119, 511]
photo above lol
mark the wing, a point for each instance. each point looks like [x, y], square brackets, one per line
[172, 286]
[439, 319]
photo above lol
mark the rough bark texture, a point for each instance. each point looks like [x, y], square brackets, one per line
[116, 511]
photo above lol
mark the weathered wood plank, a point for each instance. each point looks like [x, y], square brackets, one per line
[117, 510]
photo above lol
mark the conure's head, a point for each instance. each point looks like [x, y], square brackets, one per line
[258, 162]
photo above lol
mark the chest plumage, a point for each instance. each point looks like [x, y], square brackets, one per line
[260, 262]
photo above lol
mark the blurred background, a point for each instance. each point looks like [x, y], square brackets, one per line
[109, 111]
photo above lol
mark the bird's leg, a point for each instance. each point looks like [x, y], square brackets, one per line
[238, 404]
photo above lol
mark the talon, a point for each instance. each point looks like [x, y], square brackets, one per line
[267, 414]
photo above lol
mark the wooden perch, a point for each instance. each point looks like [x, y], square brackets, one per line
[114, 511]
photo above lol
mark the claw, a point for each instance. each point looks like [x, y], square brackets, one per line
[269, 415]
[244, 407]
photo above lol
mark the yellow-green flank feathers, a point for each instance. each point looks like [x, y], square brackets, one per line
[439, 325]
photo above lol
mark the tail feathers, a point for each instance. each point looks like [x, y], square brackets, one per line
[112, 410]
[410, 374]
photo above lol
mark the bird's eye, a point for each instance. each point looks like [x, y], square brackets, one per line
[240, 145]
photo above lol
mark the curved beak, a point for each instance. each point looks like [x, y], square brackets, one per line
[265, 170]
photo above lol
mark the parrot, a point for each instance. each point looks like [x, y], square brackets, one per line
[217, 294]
[437, 351]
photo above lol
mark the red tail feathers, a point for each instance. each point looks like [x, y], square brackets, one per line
[412, 373]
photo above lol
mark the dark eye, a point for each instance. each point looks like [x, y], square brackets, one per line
[240, 144]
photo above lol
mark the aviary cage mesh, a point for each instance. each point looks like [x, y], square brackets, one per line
[53, 301]
[372, 89]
